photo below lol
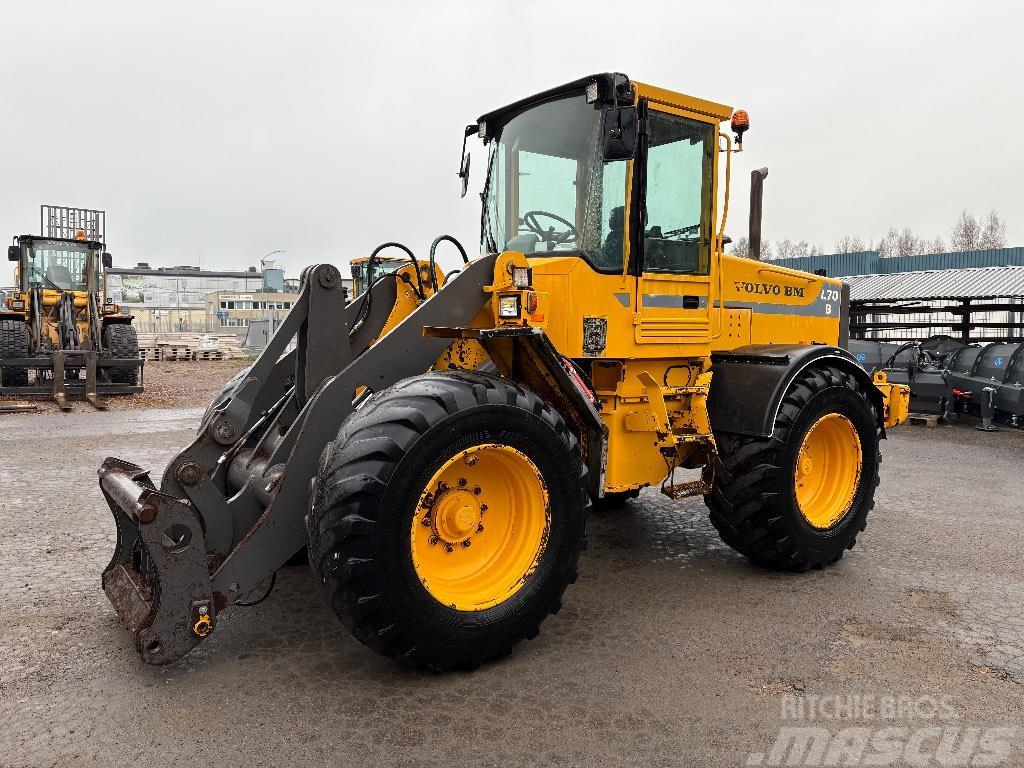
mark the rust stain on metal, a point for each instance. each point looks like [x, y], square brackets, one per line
[129, 596]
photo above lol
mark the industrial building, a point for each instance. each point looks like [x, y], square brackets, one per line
[234, 311]
[173, 299]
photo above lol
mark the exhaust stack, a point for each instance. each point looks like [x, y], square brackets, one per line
[757, 178]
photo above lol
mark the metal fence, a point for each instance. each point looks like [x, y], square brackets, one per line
[967, 320]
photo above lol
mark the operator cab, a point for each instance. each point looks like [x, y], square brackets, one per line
[610, 185]
[361, 277]
[553, 190]
[57, 264]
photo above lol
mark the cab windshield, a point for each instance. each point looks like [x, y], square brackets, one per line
[550, 192]
[57, 265]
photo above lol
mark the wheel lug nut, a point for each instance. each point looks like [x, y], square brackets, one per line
[483, 507]
[479, 529]
[466, 543]
[433, 540]
[476, 490]
[426, 520]
[442, 486]
[462, 482]
[448, 547]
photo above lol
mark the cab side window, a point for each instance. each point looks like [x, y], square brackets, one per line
[677, 220]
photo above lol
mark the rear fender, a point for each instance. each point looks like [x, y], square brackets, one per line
[749, 383]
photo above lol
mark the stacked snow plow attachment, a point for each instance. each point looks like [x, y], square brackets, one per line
[948, 378]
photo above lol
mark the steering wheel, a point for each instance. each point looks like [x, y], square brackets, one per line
[570, 235]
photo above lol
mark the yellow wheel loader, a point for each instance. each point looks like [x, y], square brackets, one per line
[437, 447]
[58, 325]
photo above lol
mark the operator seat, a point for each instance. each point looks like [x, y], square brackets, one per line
[525, 243]
[60, 275]
[610, 254]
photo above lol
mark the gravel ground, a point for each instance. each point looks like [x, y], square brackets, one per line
[167, 385]
[670, 651]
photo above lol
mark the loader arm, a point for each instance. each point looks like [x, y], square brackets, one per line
[230, 508]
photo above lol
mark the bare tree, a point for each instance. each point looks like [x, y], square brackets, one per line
[901, 242]
[740, 248]
[993, 232]
[966, 233]
[787, 249]
[935, 246]
[850, 244]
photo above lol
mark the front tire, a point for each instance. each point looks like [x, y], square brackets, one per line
[798, 499]
[447, 518]
[14, 343]
[121, 341]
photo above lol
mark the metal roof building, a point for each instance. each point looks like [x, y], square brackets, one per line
[983, 283]
[872, 263]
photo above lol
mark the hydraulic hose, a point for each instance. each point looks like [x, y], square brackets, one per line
[433, 248]
[364, 307]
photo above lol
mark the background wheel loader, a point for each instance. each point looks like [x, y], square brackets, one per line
[438, 450]
[60, 324]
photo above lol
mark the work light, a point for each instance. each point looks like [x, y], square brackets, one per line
[508, 306]
[521, 277]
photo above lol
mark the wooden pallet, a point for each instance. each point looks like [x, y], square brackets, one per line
[930, 420]
[176, 353]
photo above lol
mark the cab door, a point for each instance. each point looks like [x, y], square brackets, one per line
[675, 239]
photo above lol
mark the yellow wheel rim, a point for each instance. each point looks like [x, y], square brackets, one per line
[480, 527]
[828, 470]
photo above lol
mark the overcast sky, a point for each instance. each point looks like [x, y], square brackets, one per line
[215, 132]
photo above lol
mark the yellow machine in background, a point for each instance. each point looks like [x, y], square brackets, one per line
[59, 325]
[436, 442]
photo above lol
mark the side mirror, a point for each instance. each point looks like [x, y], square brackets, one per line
[14, 253]
[464, 174]
[464, 162]
[108, 260]
[619, 129]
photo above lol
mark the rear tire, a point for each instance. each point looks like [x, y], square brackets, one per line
[756, 500]
[121, 341]
[368, 528]
[14, 343]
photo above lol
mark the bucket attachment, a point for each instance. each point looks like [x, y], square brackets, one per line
[158, 579]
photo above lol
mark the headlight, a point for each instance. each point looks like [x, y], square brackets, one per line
[508, 306]
[521, 277]
[16, 304]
